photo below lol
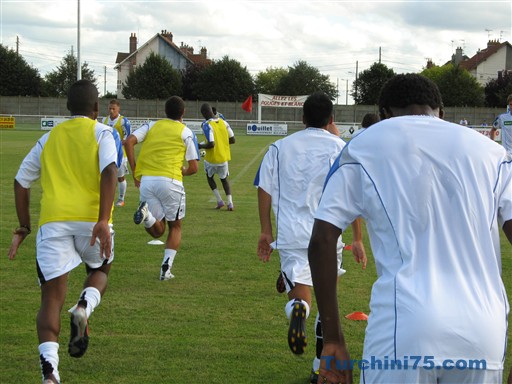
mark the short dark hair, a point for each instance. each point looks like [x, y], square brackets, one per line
[82, 98]
[369, 119]
[174, 108]
[115, 101]
[317, 110]
[407, 89]
[206, 111]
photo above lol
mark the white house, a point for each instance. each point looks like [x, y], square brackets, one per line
[161, 44]
[489, 62]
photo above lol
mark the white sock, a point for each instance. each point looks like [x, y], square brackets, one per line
[288, 308]
[319, 342]
[122, 189]
[230, 199]
[49, 353]
[93, 298]
[150, 220]
[169, 255]
[217, 195]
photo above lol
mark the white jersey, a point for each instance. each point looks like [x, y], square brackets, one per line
[293, 173]
[433, 206]
[504, 122]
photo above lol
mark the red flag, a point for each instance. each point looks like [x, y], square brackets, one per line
[247, 104]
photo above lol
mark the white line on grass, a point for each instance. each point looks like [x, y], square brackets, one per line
[243, 171]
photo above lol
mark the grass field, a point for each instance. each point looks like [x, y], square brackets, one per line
[219, 321]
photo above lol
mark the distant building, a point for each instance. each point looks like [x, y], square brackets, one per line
[161, 44]
[489, 63]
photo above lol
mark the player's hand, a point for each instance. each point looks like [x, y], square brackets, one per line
[359, 253]
[137, 182]
[335, 365]
[264, 248]
[18, 236]
[101, 231]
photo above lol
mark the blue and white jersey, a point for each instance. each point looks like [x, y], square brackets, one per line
[504, 122]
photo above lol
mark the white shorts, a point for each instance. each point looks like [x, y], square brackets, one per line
[57, 253]
[123, 168]
[295, 266]
[165, 197]
[216, 169]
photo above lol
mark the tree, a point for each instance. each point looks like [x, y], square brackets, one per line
[366, 89]
[17, 78]
[109, 95]
[58, 81]
[190, 76]
[303, 79]
[457, 86]
[267, 81]
[155, 79]
[497, 90]
[224, 80]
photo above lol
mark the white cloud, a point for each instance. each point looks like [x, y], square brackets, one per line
[330, 35]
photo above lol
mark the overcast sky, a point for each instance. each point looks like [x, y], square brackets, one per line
[329, 35]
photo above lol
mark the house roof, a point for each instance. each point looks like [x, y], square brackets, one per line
[484, 54]
[164, 36]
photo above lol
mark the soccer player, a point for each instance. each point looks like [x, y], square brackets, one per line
[77, 164]
[159, 174]
[290, 180]
[219, 137]
[217, 114]
[123, 127]
[433, 210]
[504, 121]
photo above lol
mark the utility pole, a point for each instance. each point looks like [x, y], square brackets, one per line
[337, 90]
[346, 92]
[105, 80]
[78, 62]
[17, 46]
[380, 54]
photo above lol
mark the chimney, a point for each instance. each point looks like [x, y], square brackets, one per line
[491, 43]
[133, 42]
[457, 58]
[167, 34]
[203, 52]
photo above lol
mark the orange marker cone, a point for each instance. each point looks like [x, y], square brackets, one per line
[348, 247]
[357, 316]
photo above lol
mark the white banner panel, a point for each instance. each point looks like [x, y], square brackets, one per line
[267, 129]
[486, 132]
[47, 123]
[281, 101]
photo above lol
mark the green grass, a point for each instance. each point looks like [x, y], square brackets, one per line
[220, 320]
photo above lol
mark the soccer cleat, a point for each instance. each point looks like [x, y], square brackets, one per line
[220, 204]
[79, 339]
[165, 272]
[141, 213]
[120, 203]
[231, 207]
[313, 378]
[50, 379]
[47, 371]
[297, 331]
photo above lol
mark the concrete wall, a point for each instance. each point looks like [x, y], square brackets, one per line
[31, 109]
